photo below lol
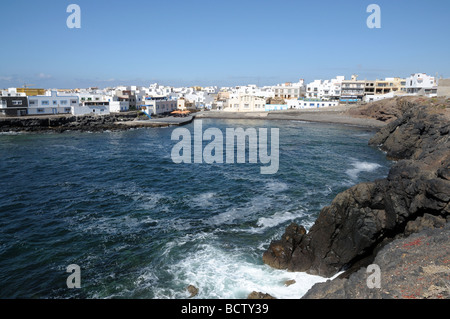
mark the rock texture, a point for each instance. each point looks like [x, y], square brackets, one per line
[259, 295]
[364, 218]
[64, 123]
[392, 109]
[192, 290]
[416, 267]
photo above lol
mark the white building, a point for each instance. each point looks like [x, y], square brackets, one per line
[421, 84]
[91, 108]
[308, 104]
[200, 99]
[52, 103]
[152, 105]
[119, 106]
[289, 90]
[245, 103]
[328, 90]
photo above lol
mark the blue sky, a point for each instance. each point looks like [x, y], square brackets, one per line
[197, 42]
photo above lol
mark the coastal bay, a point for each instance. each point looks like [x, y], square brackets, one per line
[141, 226]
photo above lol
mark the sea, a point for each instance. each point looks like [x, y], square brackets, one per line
[138, 225]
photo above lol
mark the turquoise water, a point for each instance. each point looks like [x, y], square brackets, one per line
[140, 226]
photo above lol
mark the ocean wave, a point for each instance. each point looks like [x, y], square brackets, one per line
[226, 274]
[359, 167]
[276, 219]
[242, 213]
[203, 200]
[11, 133]
[276, 186]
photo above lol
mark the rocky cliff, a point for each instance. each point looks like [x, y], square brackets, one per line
[363, 219]
[410, 268]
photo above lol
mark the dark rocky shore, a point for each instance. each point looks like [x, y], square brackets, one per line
[368, 222]
[60, 123]
[87, 123]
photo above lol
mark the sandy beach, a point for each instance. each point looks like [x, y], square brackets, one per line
[325, 115]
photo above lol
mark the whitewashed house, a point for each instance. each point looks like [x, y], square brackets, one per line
[52, 103]
[116, 106]
[328, 90]
[245, 103]
[421, 84]
[158, 105]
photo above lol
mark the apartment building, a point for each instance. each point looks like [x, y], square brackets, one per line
[381, 89]
[52, 103]
[245, 103]
[352, 90]
[13, 103]
[389, 85]
[288, 90]
[421, 84]
[328, 90]
[158, 105]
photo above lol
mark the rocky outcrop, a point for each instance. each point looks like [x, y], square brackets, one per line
[192, 290]
[391, 109]
[63, 123]
[259, 295]
[364, 218]
[416, 267]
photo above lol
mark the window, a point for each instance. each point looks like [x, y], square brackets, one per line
[55, 102]
[40, 110]
[17, 102]
[45, 103]
[63, 102]
[67, 110]
[33, 102]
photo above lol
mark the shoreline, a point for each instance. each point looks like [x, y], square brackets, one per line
[125, 121]
[91, 123]
[331, 116]
[368, 222]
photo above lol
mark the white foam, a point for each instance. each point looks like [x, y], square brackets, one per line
[276, 219]
[276, 187]
[243, 213]
[226, 274]
[359, 167]
[203, 199]
[300, 121]
[11, 133]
